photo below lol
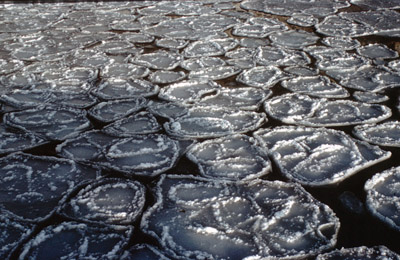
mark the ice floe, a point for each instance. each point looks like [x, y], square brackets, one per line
[345, 43]
[214, 73]
[385, 134]
[383, 197]
[50, 122]
[16, 141]
[137, 37]
[171, 43]
[301, 109]
[71, 240]
[12, 233]
[369, 97]
[318, 156]
[107, 201]
[161, 60]
[203, 48]
[110, 111]
[319, 86]
[360, 253]
[169, 110]
[166, 76]
[209, 122]
[262, 76]
[303, 20]
[116, 47]
[234, 158]
[139, 155]
[278, 56]
[124, 71]
[202, 62]
[140, 123]
[36, 185]
[188, 91]
[293, 39]
[199, 218]
[143, 251]
[302, 71]
[117, 88]
[377, 51]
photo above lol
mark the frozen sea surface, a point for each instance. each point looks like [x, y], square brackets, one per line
[177, 129]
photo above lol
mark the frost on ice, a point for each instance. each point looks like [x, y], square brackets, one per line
[303, 110]
[360, 253]
[12, 140]
[198, 218]
[110, 111]
[140, 123]
[142, 155]
[34, 186]
[50, 122]
[319, 86]
[318, 156]
[117, 88]
[208, 122]
[235, 157]
[385, 134]
[383, 196]
[71, 240]
[107, 201]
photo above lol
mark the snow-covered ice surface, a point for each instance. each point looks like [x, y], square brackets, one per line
[318, 156]
[383, 197]
[239, 98]
[198, 218]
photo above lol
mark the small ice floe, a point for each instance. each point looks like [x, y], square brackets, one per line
[16, 141]
[301, 109]
[171, 43]
[319, 86]
[262, 76]
[214, 73]
[209, 219]
[253, 42]
[385, 134]
[11, 234]
[303, 20]
[18, 79]
[377, 51]
[160, 60]
[290, 7]
[388, 78]
[293, 39]
[107, 201]
[369, 97]
[117, 88]
[278, 56]
[36, 185]
[245, 63]
[116, 47]
[235, 158]
[166, 76]
[110, 111]
[227, 43]
[188, 91]
[143, 251]
[338, 26]
[318, 156]
[78, 74]
[125, 25]
[344, 42]
[71, 240]
[241, 53]
[209, 122]
[346, 61]
[124, 71]
[90, 58]
[138, 155]
[203, 48]
[373, 5]
[258, 27]
[383, 196]
[167, 110]
[202, 63]
[243, 98]
[52, 123]
[140, 123]
[360, 253]
[302, 71]
[137, 37]
[10, 66]
[394, 65]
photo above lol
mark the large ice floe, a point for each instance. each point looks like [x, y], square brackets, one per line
[73, 240]
[318, 156]
[360, 253]
[302, 109]
[199, 218]
[107, 201]
[34, 186]
[383, 197]
[141, 155]
[235, 157]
